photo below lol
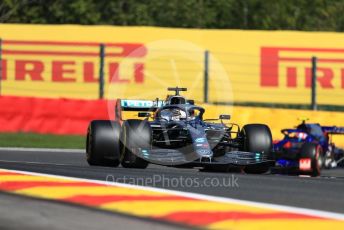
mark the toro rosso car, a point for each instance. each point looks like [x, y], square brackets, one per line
[172, 132]
[308, 148]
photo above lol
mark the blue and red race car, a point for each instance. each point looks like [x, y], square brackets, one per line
[307, 149]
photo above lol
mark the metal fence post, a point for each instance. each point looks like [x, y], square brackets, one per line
[0, 64]
[101, 70]
[314, 83]
[206, 76]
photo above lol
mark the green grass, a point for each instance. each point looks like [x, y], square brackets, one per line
[32, 140]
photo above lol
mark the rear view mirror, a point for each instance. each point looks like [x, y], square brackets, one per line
[225, 117]
[143, 114]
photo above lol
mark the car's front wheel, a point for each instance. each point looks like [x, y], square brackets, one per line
[257, 139]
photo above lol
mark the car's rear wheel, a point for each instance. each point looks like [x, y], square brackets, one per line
[103, 143]
[257, 139]
[135, 135]
[311, 152]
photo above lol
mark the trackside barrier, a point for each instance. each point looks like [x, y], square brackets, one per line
[53, 116]
[71, 116]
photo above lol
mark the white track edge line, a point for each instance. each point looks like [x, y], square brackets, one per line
[34, 163]
[22, 149]
[304, 211]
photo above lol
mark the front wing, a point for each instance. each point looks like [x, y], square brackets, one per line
[176, 157]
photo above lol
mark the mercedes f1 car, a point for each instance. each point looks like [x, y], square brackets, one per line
[307, 149]
[172, 132]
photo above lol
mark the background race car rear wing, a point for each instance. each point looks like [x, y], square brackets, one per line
[136, 106]
[333, 129]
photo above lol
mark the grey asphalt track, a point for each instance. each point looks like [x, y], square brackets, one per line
[322, 193]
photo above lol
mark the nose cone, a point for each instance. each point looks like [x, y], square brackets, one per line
[200, 141]
[202, 147]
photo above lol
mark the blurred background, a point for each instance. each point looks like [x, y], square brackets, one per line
[305, 15]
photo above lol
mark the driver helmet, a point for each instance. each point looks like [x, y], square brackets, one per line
[191, 114]
[301, 135]
[182, 114]
[177, 115]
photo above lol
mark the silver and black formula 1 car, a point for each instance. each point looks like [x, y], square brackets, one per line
[172, 132]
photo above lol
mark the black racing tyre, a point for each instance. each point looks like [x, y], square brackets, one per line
[315, 153]
[135, 134]
[103, 143]
[257, 138]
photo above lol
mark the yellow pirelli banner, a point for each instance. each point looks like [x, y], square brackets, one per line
[141, 62]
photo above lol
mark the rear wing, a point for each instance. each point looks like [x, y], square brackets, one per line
[333, 129]
[136, 105]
